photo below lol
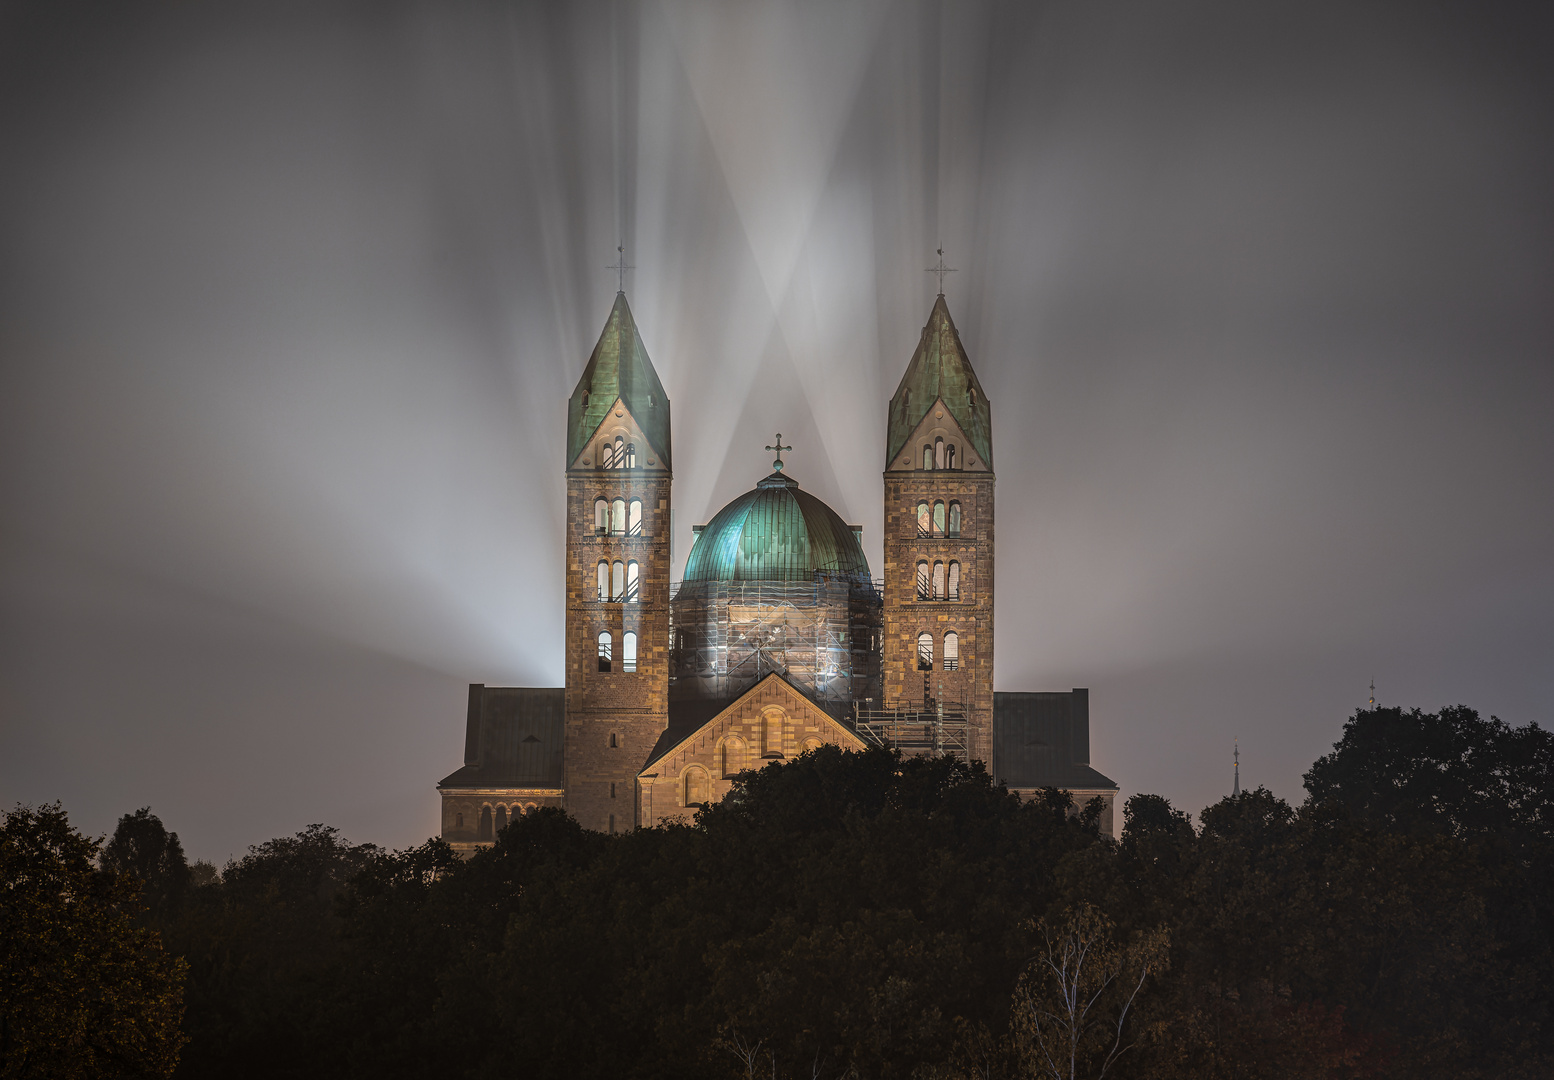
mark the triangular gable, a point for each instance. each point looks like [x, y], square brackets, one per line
[938, 419]
[773, 689]
[618, 420]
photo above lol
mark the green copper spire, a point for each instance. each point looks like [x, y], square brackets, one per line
[940, 371]
[619, 368]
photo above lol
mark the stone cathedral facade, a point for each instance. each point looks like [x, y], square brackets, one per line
[778, 638]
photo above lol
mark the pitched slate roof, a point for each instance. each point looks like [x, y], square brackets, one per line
[619, 368]
[513, 737]
[1043, 740]
[940, 371]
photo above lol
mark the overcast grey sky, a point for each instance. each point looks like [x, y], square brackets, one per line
[292, 296]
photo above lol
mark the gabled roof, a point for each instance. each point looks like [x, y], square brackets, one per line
[513, 738]
[619, 369]
[687, 719]
[1043, 740]
[940, 371]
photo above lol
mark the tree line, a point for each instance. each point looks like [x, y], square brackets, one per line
[843, 914]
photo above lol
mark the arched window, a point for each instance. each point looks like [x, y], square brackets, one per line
[953, 591]
[771, 731]
[620, 452]
[927, 457]
[585, 399]
[629, 650]
[938, 517]
[938, 581]
[604, 581]
[604, 658]
[733, 755]
[811, 743]
[485, 824]
[612, 824]
[938, 453]
[633, 586]
[971, 394]
[697, 787]
[606, 455]
[949, 456]
[618, 581]
[634, 518]
[924, 522]
[501, 818]
[924, 583]
[458, 821]
[631, 455]
[954, 519]
[951, 650]
[618, 517]
[925, 651]
[601, 516]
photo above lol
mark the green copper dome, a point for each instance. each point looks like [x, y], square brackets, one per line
[775, 533]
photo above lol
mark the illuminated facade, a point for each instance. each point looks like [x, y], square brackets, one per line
[778, 639]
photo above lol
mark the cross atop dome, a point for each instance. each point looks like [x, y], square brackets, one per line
[778, 449]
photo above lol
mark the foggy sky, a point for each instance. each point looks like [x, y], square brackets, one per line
[292, 296]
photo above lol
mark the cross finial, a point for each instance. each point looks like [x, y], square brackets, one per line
[620, 268]
[778, 449]
[941, 270]
[1373, 692]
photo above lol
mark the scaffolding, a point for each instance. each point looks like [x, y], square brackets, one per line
[821, 634]
[931, 726]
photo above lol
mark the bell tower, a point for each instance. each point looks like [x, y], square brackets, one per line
[617, 565]
[938, 634]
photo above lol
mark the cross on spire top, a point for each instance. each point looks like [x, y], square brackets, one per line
[941, 270]
[620, 267]
[778, 449]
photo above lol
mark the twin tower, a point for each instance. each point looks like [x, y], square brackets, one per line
[778, 638]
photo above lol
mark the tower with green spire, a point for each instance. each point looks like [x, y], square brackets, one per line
[617, 563]
[938, 635]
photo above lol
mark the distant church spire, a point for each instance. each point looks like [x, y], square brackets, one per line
[1236, 791]
[1373, 694]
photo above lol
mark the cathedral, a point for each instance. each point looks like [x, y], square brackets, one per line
[778, 638]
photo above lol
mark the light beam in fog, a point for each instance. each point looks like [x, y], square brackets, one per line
[291, 299]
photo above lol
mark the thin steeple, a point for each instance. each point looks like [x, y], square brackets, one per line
[1235, 792]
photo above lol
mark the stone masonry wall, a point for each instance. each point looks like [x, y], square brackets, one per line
[971, 617]
[632, 708]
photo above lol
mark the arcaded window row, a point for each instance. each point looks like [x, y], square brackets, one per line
[940, 455]
[951, 651]
[628, 657]
[490, 824]
[938, 582]
[938, 521]
[619, 583]
[619, 454]
[617, 517]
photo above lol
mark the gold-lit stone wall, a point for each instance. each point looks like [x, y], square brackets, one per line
[971, 616]
[614, 719]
